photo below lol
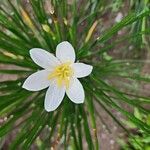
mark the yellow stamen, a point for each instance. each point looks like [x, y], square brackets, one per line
[62, 73]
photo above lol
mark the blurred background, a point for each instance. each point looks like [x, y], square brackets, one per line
[110, 135]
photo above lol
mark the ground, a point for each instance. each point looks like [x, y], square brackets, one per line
[109, 134]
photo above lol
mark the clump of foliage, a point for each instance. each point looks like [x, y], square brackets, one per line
[44, 24]
[140, 139]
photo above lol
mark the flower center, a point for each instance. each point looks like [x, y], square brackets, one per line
[62, 73]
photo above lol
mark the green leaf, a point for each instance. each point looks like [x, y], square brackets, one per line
[137, 114]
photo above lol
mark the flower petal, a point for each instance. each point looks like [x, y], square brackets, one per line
[65, 52]
[43, 58]
[82, 70]
[75, 92]
[37, 81]
[54, 97]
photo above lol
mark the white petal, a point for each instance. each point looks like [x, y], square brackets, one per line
[37, 81]
[65, 52]
[54, 97]
[75, 92]
[43, 58]
[81, 70]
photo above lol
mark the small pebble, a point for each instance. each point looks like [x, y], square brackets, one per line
[104, 127]
[119, 17]
[115, 128]
[130, 47]
[112, 142]
[1, 121]
[5, 118]
[103, 136]
[50, 21]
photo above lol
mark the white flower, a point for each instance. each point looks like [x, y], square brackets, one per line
[59, 73]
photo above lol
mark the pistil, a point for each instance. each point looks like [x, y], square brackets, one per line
[62, 74]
